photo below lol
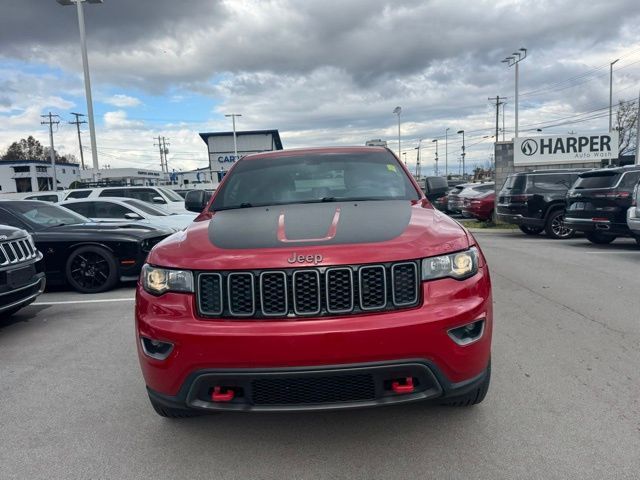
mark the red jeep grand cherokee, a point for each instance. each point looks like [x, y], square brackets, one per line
[314, 279]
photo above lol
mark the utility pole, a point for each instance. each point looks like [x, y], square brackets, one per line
[160, 150]
[235, 140]
[611, 94]
[503, 104]
[638, 132]
[398, 111]
[435, 140]
[418, 172]
[498, 103]
[77, 124]
[165, 150]
[52, 152]
[446, 153]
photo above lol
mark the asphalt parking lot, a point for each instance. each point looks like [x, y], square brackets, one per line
[564, 401]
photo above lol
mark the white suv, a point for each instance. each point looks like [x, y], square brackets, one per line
[159, 196]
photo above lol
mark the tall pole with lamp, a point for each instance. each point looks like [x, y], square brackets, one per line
[462, 155]
[514, 60]
[398, 111]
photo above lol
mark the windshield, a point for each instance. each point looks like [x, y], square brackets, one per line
[46, 215]
[315, 177]
[599, 180]
[146, 208]
[171, 195]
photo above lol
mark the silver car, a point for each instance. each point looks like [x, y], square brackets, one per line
[633, 214]
[118, 209]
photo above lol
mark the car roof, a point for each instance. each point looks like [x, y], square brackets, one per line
[626, 168]
[294, 152]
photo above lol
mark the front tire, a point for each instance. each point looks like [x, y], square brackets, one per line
[599, 238]
[92, 269]
[556, 228]
[474, 397]
[530, 230]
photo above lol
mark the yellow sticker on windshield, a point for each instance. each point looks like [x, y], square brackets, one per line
[391, 168]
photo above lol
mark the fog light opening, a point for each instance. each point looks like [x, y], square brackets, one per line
[155, 348]
[469, 333]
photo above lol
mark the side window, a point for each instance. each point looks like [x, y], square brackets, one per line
[8, 219]
[82, 208]
[629, 180]
[549, 183]
[79, 194]
[110, 210]
[113, 192]
[143, 194]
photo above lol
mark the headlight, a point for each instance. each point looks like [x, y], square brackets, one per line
[459, 265]
[160, 280]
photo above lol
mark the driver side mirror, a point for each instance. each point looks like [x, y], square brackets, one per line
[158, 200]
[196, 201]
[132, 216]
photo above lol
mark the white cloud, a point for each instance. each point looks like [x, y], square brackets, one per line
[117, 120]
[123, 101]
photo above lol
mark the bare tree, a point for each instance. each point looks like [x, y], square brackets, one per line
[626, 121]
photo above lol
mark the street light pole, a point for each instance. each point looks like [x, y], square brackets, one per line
[435, 140]
[514, 59]
[418, 159]
[446, 153]
[611, 92]
[398, 111]
[235, 141]
[463, 152]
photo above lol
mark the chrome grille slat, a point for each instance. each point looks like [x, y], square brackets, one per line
[309, 291]
[13, 252]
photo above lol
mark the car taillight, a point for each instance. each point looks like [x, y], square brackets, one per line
[520, 198]
[614, 195]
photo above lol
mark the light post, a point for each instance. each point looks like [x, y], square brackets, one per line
[515, 59]
[446, 153]
[404, 158]
[418, 172]
[463, 152]
[87, 79]
[235, 141]
[611, 93]
[398, 111]
[435, 140]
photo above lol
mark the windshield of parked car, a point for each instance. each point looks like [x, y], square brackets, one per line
[171, 195]
[146, 208]
[315, 177]
[46, 215]
[597, 180]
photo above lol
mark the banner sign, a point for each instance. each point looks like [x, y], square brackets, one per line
[545, 150]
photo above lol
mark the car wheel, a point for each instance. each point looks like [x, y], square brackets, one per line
[473, 397]
[599, 238]
[530, 230]
[169, 412]
[555, 227]
[92, 269]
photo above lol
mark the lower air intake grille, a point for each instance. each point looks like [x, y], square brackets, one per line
[313, 390]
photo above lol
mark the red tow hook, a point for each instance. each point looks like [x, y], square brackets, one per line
[406, 387]
[219, 396]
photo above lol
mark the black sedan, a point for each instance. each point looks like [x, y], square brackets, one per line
[90, 257]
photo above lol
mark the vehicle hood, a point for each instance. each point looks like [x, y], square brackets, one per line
[97, 230]
[340, 233]
[174, 222]
[11, 233]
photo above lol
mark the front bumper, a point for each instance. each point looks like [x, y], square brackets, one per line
[216, 345]
[23, 295]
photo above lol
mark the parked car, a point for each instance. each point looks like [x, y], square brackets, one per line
[435, 188]
[160, 196]
[536, 201]
[597, 203]
[633, 214]
[442, 202]
[291, 293]
[21, 271]
[481, 207]
[129, 209]
[459, 192]
[90, 257]
[53, 197]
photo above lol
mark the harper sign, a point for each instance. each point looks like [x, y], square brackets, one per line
[565, 149]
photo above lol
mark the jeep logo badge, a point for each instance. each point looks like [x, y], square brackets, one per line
[529, 147]
[314, 258]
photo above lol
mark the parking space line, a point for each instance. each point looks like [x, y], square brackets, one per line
[67, 302]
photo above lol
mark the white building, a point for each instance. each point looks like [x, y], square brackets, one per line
[221, 148]
[124, 176]
[35, 175]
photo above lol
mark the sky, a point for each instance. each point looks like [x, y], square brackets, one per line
[323, 73]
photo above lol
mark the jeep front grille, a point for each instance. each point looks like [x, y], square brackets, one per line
[16, 251]
[306, 292]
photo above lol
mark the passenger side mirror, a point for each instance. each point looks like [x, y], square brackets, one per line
[196, 201]
[132, 216]
[158, 200]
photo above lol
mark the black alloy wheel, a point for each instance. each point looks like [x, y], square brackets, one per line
[92, 269]
[530, 230]
[556, 227]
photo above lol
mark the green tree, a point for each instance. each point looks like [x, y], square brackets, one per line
[24, 149]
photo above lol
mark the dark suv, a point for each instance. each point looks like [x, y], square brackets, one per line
[598, 203]
[535, 201]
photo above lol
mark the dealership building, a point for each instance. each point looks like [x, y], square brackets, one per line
[221, 149]
[544, 152]
[35, 175]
